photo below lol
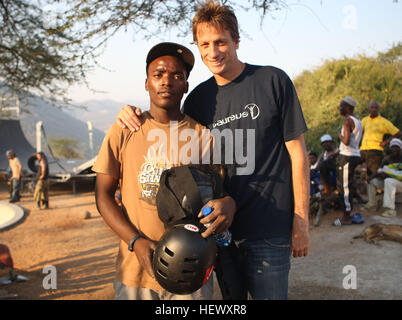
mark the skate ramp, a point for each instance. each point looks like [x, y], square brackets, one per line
[12, 137]
[9, 214]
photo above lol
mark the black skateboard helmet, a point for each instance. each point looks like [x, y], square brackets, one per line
[183, 260]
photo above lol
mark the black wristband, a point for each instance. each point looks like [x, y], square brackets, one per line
[133, 240]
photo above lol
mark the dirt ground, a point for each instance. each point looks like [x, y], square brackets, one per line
[83, 252]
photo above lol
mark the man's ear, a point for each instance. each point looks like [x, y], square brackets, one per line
[186, 90]
[146, 84]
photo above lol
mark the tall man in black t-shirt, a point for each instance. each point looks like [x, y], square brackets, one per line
[257, 110]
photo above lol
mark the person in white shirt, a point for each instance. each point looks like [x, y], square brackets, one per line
[348, 158]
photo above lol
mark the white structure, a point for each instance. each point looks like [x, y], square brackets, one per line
[39, 136]
[91, 144]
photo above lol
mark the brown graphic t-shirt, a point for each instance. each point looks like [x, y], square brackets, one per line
[138, 159]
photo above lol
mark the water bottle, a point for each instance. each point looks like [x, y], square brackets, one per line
[205, 186]
[222, 239]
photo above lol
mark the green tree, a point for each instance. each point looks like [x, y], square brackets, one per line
[100, 20]
[44, 51]
[38, 53]
[362, 77]
[65, 148]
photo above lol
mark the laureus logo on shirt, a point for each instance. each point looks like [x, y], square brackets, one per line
[251, 110]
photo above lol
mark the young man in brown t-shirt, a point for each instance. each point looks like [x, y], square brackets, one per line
[135, 160]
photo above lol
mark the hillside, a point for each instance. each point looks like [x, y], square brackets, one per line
[102, 113]
[365, 78]
[57, 124]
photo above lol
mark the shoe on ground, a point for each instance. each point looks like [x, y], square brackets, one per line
[369, 207]
[389, 213]
[36, 207]
[342, 222]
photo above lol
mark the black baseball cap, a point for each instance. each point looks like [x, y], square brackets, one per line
[172, 49]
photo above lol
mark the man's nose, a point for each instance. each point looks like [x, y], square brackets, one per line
[213, 51]
[167, 80]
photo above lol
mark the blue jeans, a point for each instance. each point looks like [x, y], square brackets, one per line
[16, 189]
[258, 269]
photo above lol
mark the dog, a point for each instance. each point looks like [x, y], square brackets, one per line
[379, 231]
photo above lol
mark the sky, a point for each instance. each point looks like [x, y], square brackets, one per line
[295, 39]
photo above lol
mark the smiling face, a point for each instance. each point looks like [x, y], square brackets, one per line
[218, 50]
[166, 82]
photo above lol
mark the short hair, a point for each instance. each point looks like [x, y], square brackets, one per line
[42, 154]
[219, 16]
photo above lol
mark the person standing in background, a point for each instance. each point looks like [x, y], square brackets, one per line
[41, 193]
[348, 158]
[375, 127]
[16, 170]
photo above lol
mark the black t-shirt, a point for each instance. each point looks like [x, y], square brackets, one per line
[258, 110]
[39, 172]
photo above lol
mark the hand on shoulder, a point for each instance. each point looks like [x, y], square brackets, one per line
[129, 117]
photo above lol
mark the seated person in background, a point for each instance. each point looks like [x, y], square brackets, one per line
[327, 164]
[389, 177]
[314, 173]
[375, 128]
[312, 158]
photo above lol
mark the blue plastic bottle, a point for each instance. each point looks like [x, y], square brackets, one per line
[222, 239]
